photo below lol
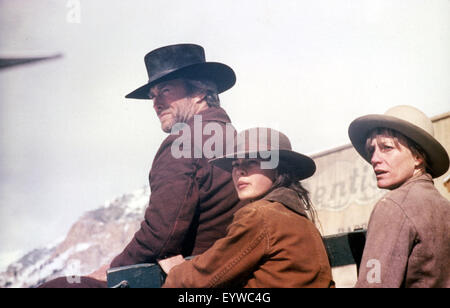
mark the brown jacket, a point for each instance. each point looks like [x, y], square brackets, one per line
[191, 202]
[408, 239]
[270, 243]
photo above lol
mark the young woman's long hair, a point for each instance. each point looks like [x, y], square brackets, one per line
[286, 178]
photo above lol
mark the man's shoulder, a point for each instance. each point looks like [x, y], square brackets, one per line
[215, 114]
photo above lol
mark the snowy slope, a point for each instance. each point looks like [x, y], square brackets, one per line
[92, 241]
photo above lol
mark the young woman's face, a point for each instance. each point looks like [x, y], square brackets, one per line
[392, 162]
[250, 181]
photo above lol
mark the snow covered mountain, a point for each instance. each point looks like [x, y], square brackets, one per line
[91, 242]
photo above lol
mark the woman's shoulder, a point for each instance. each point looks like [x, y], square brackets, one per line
[272, 213]
[412, 192]
[260, 210]
[255, 207]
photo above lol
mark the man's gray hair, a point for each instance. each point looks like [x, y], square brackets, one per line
[204, 86]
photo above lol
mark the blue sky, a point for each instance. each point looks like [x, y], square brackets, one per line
[69, 140]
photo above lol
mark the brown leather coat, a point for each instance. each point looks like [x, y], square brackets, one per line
[270, 243]
[191, 202]
[408, 239]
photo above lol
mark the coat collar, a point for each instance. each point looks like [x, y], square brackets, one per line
[289, 198]
[424, 177]
[212, 114]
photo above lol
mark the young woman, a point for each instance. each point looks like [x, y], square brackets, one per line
[272, 241]
[408, 236]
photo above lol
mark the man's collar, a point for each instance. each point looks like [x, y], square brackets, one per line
[213, 114]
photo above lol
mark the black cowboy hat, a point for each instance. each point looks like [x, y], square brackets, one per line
[183, 61]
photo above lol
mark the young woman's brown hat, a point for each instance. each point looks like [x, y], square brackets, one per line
[267, 143]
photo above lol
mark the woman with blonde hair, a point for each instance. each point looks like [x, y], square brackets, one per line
[408, 236]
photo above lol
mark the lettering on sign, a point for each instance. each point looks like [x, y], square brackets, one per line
[341, 184]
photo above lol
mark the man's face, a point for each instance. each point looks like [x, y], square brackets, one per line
[172, 103]
[166, 97]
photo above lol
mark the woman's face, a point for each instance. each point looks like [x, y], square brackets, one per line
[392, 162]
[250, 181]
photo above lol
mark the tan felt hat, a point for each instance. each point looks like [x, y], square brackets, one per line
[409, 121]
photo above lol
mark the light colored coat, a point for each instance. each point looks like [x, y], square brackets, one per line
[408, 239]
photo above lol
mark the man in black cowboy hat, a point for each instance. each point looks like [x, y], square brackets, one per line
[191, 202]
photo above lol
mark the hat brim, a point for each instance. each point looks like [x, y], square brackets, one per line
[437, 157]
[222, 75]
[302, 166]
